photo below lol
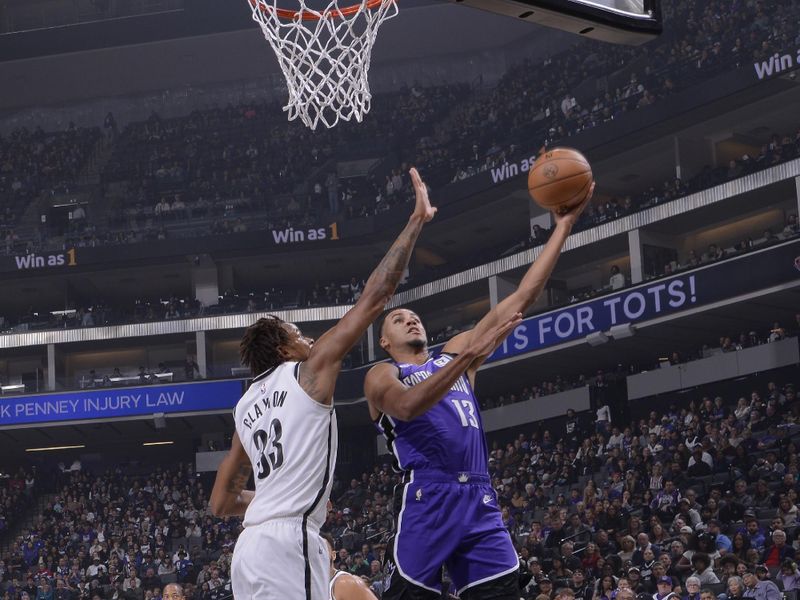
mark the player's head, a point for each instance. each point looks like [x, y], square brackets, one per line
[402, 329]
[173, 591]
[271, 341]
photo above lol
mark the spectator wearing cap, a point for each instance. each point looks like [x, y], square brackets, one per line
[698, 466]
[702, 569]
[545, 587]
[635, 580]
[686, 512]
[779, 551]
[664, 584]
[692, 589]
[760, 590]
[579, 585]
[722, 541]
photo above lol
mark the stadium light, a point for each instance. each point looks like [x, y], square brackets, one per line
[48, 448]
[619, 332]
[597, 338]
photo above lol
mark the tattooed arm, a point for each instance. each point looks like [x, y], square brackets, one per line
[318, 373]
[229, 498]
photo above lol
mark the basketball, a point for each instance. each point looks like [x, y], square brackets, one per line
[560, 179]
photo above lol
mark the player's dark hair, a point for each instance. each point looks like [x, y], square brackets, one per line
[260, 346]
[389, 313]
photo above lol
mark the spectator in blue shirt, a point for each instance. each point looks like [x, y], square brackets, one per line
[722, 541]
[760, 590]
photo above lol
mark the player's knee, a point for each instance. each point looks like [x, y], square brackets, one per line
[502, 588]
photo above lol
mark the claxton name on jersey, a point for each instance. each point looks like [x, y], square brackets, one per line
[255, 411]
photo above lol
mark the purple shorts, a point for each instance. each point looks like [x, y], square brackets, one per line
[451, 519]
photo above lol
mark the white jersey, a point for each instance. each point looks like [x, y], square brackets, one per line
[333, 583]
[291, 440]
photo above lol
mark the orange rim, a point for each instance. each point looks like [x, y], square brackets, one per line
[291, 15]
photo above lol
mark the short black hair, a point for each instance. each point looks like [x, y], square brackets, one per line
[260, 346]
[393, 310]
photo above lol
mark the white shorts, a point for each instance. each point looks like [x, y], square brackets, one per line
[269, 563]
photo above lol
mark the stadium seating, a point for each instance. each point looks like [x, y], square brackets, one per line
[571, 493]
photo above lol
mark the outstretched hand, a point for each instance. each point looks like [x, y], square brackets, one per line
[485, 343]
[569, 217]
[422, 208]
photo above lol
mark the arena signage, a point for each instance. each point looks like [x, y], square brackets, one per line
[28, 262]
[718, 281]
[777, 64]
[110, 403]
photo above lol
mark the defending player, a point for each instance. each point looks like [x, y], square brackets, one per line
[286, 433]
[447, 511]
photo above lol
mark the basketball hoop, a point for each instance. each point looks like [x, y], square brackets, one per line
[324, 55]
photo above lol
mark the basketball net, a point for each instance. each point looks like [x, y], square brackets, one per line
[324, 55]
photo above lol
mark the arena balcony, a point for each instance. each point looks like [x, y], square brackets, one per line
[682, 331]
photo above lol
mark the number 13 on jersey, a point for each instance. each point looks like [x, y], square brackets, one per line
[467, 418]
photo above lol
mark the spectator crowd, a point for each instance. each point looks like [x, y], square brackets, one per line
[211, 172]
[699, 500]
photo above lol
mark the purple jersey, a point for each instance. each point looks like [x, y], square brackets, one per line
[449, 437]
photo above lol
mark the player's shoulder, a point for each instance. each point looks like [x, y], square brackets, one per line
[383, 369]
[349, 586]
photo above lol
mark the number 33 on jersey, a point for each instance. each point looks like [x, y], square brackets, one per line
[291, 441]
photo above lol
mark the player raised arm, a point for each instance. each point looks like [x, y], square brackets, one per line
[228, 497]
[388, 395]
[318, 373]
[529, 288]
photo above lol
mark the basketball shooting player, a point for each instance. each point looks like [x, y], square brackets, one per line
[425, 406]
[286, 433]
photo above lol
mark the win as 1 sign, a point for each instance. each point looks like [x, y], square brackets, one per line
[43, 261]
